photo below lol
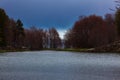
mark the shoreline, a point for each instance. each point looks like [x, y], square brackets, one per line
[90, 50]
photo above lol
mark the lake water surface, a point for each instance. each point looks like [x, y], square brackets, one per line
[59, 65]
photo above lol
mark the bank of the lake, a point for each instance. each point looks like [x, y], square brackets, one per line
[113, 47]
[110, 48]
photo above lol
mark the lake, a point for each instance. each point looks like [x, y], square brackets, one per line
[59, 65]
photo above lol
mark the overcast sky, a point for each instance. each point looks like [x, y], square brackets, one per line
[60, 14]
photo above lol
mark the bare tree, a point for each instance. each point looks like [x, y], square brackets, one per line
[55, 41]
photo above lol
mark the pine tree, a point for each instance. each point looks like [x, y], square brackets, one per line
[3, 22]
[117, 20]
[20, 33]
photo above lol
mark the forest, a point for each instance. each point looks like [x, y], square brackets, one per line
[88, 32]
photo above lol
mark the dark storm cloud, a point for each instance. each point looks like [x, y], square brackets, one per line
[54, 13]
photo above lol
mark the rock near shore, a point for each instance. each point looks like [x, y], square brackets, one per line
[113, 47]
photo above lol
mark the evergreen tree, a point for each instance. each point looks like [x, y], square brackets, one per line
[3, 20]
[20, 28]
[20, 33]
[117, 20]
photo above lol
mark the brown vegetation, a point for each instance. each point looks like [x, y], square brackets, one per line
[88, 32]
[91, 31]
[13, 36]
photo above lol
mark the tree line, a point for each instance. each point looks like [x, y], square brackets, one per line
[37, 38]
[87, 32]
[91, 31]
[13, 35]
[94, 31]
